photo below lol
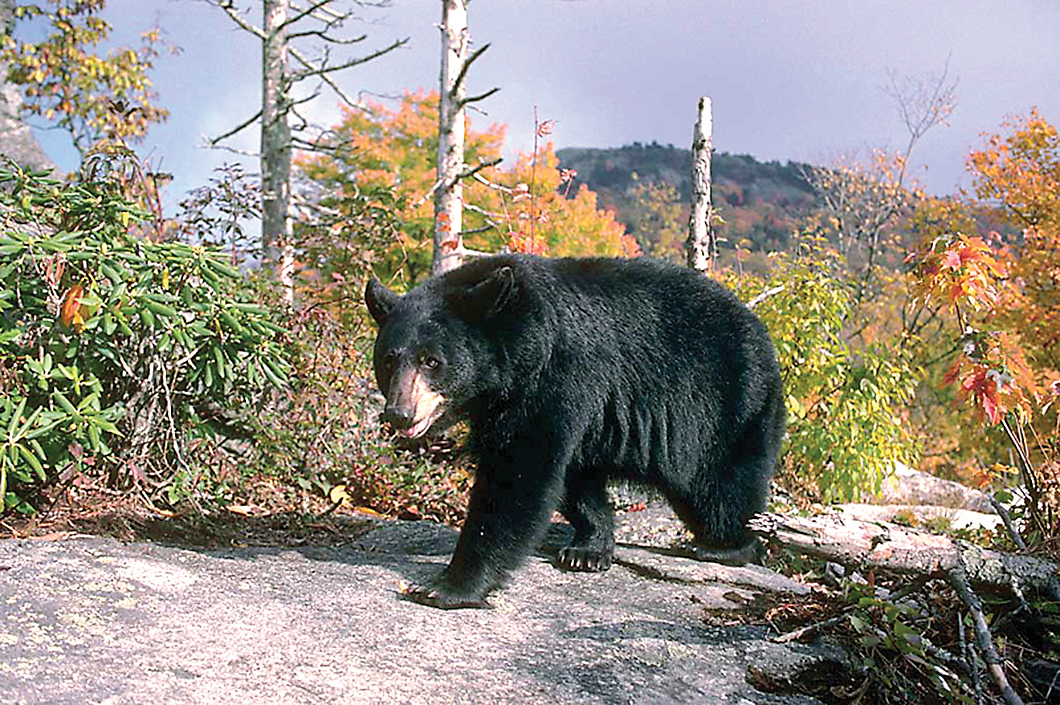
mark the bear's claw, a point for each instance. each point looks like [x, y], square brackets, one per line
[585, 560]
[440, 598]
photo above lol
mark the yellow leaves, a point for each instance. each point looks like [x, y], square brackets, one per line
[66, 81]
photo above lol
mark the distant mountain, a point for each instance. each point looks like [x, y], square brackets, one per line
[760, 202]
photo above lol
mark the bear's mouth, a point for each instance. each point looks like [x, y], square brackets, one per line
[420, 427]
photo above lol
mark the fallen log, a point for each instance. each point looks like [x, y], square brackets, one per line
[864, 545]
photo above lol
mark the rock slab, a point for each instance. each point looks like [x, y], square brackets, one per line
[94, 620]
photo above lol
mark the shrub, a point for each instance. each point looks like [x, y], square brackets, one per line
[845, 430]
[116, 351]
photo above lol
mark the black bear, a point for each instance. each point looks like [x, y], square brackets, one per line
[573, 372]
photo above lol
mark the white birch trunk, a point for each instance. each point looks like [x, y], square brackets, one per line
[702, 246]
[276, 146]
[449, 197]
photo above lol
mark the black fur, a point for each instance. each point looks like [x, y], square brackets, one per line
[572, 372]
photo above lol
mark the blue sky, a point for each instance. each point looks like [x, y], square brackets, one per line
[789, 79]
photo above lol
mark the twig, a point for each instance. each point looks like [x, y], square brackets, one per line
[480, 96]
[985, 640]
[320, 68]
[238, 128]
[231, 11]
[811, 629]
[765, 295]
[968, 651]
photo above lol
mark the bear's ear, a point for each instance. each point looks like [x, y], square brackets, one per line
[380, 300]
[489, 296]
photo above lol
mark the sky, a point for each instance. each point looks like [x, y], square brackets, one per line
[800, 80]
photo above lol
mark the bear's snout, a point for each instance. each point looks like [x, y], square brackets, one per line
[411, 405]
[399, 416]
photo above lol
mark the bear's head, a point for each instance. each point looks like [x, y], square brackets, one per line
[431, 352]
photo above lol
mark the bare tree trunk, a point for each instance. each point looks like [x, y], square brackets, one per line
[276, 145]
[449, 197]
[702, 245]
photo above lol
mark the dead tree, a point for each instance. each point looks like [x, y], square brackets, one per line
[286, 64]
[449, 250]
[702, 244]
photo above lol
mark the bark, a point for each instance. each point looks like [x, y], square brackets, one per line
[449, 196]
[276, 144]
[702, 245]
[862, 545]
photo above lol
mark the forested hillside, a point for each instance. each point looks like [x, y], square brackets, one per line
[649, 188]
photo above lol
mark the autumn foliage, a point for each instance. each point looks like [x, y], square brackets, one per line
[99, 97]
[1002, 292]
[531, 206]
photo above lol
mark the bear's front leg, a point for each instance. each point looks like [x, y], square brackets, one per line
[508, 512]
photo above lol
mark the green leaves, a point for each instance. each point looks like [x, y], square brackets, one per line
[110, 343]
[845, 432]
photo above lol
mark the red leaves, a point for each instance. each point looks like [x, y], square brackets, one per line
[959, 270]
[981, 385]
[992, 374]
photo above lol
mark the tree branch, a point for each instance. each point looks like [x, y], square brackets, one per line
[466, 173]
[311, 10]
[861, 545]
[985, 640]
[238, 128]
[323, 34]
[480, 96]
[321, 68]
[463, 69]
[765, 295]
[233, 13]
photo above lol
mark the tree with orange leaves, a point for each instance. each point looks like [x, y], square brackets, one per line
[1020, 173]
[1005, 296]
[530, 207]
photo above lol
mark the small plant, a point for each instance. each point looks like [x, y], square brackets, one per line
[892, 637]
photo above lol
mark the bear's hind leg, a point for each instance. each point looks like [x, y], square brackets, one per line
[589, 511]
[723, 495]
[716, 508]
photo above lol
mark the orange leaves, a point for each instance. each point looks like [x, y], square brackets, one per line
[524, 242]
[958, 270]
[70, 312]
[1020, 171]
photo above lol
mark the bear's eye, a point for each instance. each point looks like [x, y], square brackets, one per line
[430, 362]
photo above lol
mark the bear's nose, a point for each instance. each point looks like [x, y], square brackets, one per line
[399, 417]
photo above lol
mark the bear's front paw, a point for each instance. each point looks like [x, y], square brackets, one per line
[584, 559]
[438, 594]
